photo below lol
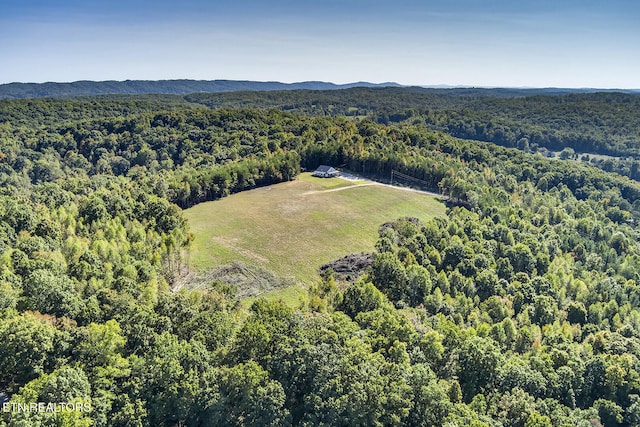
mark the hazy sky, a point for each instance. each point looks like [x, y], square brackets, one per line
[561, 43]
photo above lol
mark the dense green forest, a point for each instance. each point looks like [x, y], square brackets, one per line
[600, 128]
[602, 123]
[521, 308]
[544, 121]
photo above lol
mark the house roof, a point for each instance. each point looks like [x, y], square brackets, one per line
[324, 168]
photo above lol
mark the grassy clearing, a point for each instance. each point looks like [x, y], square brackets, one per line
[294, 227]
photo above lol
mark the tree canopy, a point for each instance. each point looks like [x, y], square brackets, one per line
[520, 308]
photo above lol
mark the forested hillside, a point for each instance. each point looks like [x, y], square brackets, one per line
[602, 123]
[167, 87]
[596, 127]
[520, 308]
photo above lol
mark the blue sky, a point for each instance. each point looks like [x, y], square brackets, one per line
[542, 43]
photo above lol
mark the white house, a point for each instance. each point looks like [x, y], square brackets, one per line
[325, 172]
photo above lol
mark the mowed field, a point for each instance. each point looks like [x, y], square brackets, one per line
[293, 228]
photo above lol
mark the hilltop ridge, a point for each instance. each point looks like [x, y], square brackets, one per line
[19, 90]
[165, 87]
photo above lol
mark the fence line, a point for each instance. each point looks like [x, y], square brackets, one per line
[408, 178]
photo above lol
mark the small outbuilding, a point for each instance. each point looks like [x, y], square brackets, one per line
[324, 171]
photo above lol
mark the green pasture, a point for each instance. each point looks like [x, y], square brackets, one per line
[293, 228]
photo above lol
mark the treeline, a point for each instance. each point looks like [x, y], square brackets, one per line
[446, 165]
[53, 113]
[188, 156]
[600, 123]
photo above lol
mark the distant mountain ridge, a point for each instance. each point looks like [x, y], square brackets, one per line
[164, 87]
